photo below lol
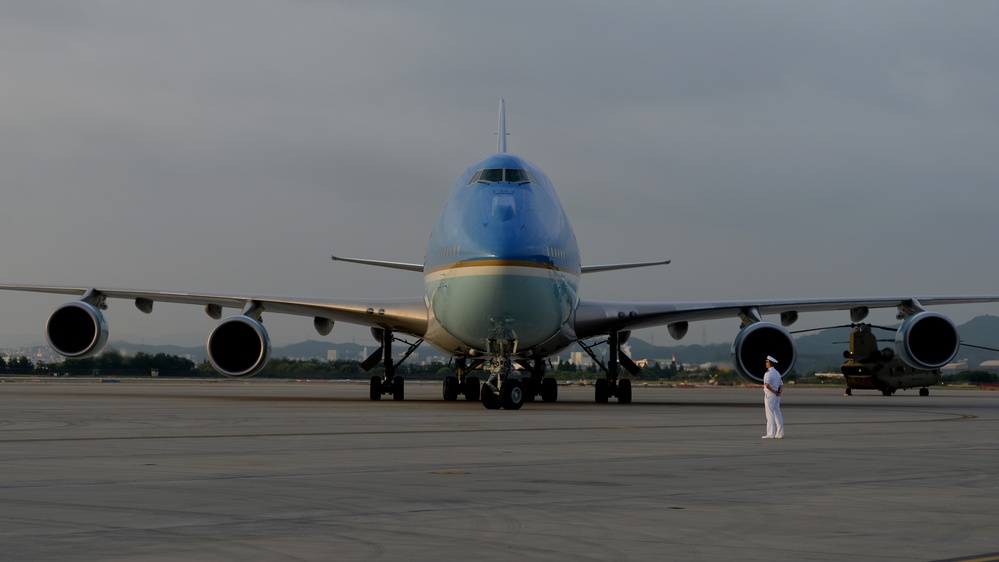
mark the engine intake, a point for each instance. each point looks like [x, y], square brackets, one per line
[76, 330]
[755, 342]
[927, 340]
[239, 347]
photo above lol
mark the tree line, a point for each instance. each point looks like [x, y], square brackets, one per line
[17, 365]
[113, 363]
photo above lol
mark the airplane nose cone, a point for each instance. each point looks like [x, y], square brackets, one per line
[504, 207]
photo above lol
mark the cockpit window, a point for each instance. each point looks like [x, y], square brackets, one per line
[515, 176]
[512, 175]
[492, 174]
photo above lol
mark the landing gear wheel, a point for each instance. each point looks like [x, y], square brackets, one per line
[529, 391]
[549, 389]
[471, 389]
[512, 395]
[849, 392]
[376, 388]
[924, 391]
[398, 388]
[451, 388]
[490, 398]
[624, 391]
[602, 391]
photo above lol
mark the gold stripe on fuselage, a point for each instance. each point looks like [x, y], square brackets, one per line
[501, 264]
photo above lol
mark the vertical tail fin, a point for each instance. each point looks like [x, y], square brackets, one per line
[501, 145]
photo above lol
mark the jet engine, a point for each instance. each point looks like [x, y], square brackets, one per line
[239, 346]
[76, 330]
[755, 342]
[927, 340]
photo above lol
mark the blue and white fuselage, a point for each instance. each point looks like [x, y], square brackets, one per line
[502, 267]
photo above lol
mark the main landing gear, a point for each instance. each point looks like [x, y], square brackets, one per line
[460, 383]
[389, 383]
[536, 384]
[611, 386]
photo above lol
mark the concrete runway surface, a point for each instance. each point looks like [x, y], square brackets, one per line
[260, 470]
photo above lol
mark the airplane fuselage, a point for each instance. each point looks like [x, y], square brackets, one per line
[502, 266]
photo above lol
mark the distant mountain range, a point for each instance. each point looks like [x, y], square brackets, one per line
[819, 351]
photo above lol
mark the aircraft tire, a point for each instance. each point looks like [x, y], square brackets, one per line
[490, 399]
[451, 389]
[529, 390]
[376, 388]
[624, 391]
[512, 395]
[549, 389]
[471, 389]
[924, 391]
[602, 391]
[398, 388]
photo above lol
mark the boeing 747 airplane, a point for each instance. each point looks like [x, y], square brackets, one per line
[501, 294]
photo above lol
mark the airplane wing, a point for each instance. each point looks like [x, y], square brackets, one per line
[403, 315]
[382, 263]
[594, 318]
[617, 266]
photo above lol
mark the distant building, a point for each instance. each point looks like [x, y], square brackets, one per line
[331, 355]
[580, 359]
[991, 366]
[955, 367]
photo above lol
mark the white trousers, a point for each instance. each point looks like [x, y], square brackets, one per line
[775, 422]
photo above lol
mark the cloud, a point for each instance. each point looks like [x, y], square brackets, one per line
[232, 146]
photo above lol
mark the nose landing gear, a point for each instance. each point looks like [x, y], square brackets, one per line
[502, 390]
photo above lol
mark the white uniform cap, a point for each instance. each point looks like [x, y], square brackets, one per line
[771, 359]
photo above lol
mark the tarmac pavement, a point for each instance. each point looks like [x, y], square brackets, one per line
[258, 470]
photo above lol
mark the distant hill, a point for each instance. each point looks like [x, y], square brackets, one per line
[819, 351]
[828, 345]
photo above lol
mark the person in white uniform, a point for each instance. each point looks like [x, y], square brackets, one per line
[772, 386]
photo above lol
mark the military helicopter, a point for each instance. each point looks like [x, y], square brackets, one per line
[868, 368]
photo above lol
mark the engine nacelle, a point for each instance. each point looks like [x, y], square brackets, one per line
[239, 347]
[755, 342]
[927, 340]
[76, 330]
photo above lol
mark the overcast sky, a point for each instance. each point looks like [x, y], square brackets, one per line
[770, 149]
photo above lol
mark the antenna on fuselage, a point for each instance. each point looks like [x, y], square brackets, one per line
[501, 145]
